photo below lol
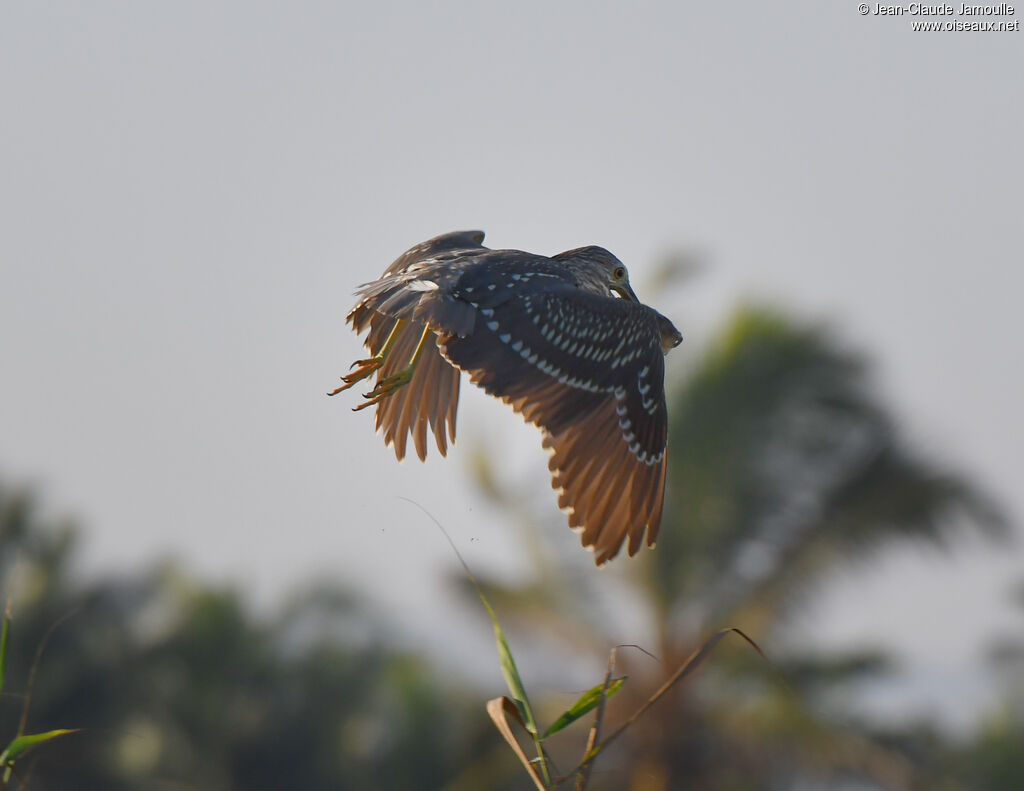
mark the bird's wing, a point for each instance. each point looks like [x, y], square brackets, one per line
[589, 370]
[415, 286]
[420, 288]
[430, 399]
[432, 396]
[445, 243]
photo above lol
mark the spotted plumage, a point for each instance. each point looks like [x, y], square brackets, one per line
[563, 340]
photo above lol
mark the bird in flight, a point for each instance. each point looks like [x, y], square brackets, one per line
[563, 340]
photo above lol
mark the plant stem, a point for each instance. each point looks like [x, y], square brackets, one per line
[595, 732]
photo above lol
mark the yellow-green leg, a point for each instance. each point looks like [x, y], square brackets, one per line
[368, 366]
[389, 385]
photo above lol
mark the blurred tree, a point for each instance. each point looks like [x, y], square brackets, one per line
[178, 686]
[784, 466]
[992, 759]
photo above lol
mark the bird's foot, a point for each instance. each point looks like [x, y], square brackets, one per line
[366, 367]
[386, 387]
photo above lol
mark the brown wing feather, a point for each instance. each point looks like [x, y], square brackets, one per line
[600, 404]
[430, 399]
[425, 288]
[608, 494]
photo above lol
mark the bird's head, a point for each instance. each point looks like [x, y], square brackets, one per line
[599, 271]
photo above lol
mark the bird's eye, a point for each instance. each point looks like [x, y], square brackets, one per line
[619, 273]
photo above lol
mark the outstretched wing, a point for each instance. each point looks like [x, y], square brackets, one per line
[432, 396]
[587, 369]
[417, 284]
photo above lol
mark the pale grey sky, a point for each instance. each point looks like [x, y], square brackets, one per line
[189, 193]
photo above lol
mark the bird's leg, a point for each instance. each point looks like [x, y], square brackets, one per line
[389, 385]
[371, 364]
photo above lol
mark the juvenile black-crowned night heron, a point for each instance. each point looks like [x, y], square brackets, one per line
[563, 340]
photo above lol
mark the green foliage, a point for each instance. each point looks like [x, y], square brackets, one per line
[992, 760]
[587, 702]
[22, 742]
[511, 673]
[500, 709]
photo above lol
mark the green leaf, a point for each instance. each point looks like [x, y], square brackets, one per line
[588, 701]
[23, 744]
[3, 643]
[509, 670]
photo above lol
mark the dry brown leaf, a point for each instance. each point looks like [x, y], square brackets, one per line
[499, 709]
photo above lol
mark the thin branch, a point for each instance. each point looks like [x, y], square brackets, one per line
[692, 663]
[583, 777]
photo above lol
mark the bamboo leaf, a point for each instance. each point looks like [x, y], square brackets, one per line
[500, 709]
[509, 670]
[23, 744]
[587, 702]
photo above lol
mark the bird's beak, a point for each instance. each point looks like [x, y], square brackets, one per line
[624, 291]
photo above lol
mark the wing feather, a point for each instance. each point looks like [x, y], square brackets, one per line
[432, 395]
[590, 372]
